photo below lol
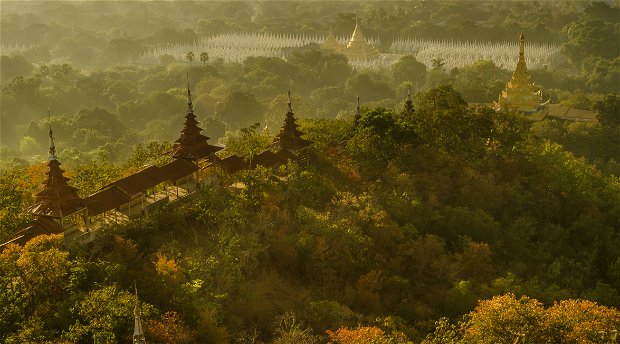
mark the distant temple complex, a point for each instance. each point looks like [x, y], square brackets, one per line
[357, 48]
[521, 94]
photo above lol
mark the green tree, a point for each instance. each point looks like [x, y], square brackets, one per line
[90, 177]
[189, 56]
[366, 88]
[247, 142]
[104, 315]
[34, 275]
[481, 81]
[608, 110]
[407, 68]
[240, 108]
[204, 58]
[503, 319]
[588, 36]
[443, 120]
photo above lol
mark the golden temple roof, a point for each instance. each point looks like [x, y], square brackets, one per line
[358, 47]
[520, 94]
[331, 43]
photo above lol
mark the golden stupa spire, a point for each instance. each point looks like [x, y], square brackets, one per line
[358, 48]
[331, 43]
[520, 93]
[358, 35]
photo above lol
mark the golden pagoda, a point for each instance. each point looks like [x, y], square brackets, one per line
[358, 48]
[331, 43]
[520, 94]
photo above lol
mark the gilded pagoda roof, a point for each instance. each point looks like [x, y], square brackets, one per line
[358, 47]
[520, 93]
[331, 43]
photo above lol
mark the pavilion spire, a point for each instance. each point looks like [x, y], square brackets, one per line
[58, 199]
[358, 113]
[408, 109]
[190, 106]
[192, 144]
[52, 150]
[289, 137]
[290, 103]
[138, 332]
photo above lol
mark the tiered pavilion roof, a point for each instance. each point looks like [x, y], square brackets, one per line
[192, 144]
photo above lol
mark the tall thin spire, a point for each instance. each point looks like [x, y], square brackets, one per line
[190, 107]
[58, 199]
[290, 104]
[138, 332]
[52, 151]
[358, 114]
[408, 109]
[289, 137]
[192, 144]
[520, 93]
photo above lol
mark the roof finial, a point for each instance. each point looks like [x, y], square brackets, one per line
[357, 109]
[138, 332]
[408, 92]
[52, 150]
[290, 104]
[190, 107]
[522, 44]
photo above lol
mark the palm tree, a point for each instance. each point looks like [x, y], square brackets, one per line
[189, 56]
[204, 57]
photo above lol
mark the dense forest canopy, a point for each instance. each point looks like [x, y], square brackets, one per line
[440, 220]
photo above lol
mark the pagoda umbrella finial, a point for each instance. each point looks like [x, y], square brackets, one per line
[138, 332]
[358, 113]
[52, 151]
[408, 92]
[190, 107]
[522, 44]
[290, 104]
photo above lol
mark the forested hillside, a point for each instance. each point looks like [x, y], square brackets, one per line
[389, 226]
[441, 222]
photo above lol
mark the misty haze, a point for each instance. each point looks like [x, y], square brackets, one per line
[306, 172]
